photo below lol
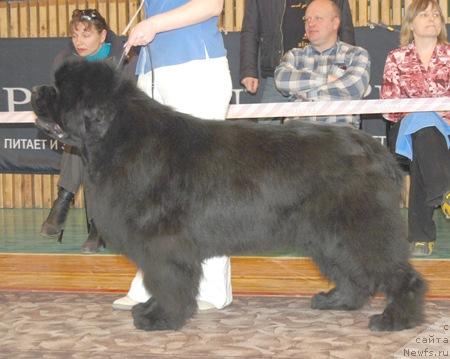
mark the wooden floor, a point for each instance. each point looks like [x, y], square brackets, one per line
[282, 276]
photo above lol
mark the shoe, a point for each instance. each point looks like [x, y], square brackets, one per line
[422, 249]
[54, 224]
[202, 305]
[94, 242]
[124, 303]
[445, 206]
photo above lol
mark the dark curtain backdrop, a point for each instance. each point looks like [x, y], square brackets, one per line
[25, 63]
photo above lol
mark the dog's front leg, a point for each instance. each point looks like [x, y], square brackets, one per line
[172, 276]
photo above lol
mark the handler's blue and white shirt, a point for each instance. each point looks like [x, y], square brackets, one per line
[194, 42]
[303, 74]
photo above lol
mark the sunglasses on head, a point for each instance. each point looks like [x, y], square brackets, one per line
[86, 14]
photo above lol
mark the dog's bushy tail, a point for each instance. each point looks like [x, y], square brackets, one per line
[393, 170]
[405, 292]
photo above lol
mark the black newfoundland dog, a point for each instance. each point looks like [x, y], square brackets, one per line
[169, 190]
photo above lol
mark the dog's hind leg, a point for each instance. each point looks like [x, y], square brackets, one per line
[405, 290]
[340, 298]
[351, 293]
[172, 278]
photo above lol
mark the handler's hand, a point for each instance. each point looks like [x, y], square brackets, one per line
[251, 84]
[143, 33]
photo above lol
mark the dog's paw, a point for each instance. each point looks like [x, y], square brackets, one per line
[337, 300]
[152, 322]
[381, 323]
[150, 316]
[388, 323]
[320, 301]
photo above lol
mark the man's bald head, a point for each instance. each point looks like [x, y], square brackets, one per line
[322, 20]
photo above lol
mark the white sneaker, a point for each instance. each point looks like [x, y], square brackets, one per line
[202, 305]
[124, 303]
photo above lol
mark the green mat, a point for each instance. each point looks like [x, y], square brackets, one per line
[20, 228]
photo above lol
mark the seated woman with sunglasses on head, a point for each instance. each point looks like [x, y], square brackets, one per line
[91, 39]
[421, 68]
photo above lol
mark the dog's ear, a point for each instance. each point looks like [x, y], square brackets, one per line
[43, 101]
[96, 122]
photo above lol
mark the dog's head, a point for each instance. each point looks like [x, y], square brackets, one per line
[80, 104]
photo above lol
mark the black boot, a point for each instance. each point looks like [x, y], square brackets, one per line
[54, 224]
[93, 242]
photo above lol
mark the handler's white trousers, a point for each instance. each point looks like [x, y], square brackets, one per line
[201, 88]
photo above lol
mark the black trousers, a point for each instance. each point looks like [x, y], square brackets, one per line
[72, 170]
[430, 179]
[72, 174]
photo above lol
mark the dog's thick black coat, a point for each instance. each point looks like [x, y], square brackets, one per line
[169, 190]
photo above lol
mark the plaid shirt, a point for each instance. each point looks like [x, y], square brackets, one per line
[303, 73]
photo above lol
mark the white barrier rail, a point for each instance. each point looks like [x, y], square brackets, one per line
[327, 108]
[294, 109]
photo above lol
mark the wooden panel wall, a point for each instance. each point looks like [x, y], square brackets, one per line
[46, 18]
[31, 191]
[49, 18]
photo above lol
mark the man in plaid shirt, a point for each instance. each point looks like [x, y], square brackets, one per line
[327, 69]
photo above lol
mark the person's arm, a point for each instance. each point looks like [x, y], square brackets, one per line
[249, 47]
[446, 115]
[292, 76]
[390, 88]
[193, 12]
[351, 85]
[346, 30]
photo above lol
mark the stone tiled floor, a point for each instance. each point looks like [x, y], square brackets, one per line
[58, 325]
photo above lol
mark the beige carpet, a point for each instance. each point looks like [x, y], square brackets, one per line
[60, 325]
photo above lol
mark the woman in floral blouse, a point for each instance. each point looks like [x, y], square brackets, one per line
[421, 68]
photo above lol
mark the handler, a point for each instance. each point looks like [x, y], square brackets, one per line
[183, 64]
[93, 40]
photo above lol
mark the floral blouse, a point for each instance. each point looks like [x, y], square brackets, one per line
[405, 77]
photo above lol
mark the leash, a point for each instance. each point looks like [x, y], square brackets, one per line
[132, 19]
[146, 49]
[124, 55]
[122, 58]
